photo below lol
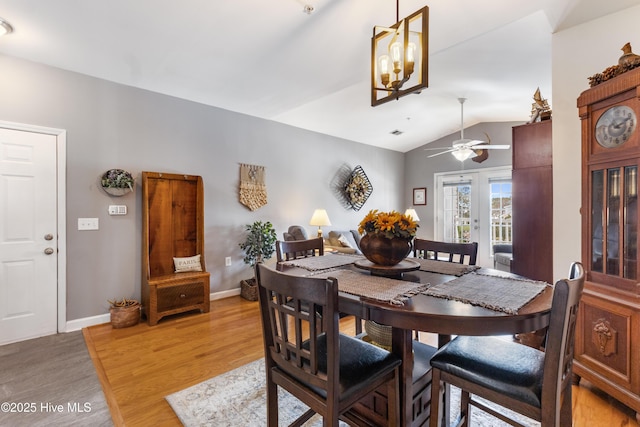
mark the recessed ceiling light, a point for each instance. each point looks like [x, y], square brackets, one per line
[5, 27]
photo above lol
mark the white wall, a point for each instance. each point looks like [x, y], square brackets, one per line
[577, 54]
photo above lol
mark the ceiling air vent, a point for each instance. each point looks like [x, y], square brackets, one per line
[396, 132]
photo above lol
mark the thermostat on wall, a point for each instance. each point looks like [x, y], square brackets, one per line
[117, 209]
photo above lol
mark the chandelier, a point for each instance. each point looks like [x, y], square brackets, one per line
[399, 57]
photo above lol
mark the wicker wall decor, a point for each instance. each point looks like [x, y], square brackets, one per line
[358, 188]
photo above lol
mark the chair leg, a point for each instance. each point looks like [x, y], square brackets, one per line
[272, 402]
[565, 407]
[393, 400]
[434, 415]
[465, 408]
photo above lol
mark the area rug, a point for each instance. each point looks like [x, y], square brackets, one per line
[238, 398]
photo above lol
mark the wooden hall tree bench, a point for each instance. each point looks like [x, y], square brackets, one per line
[173, 227]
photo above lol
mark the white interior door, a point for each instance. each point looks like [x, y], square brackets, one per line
[28, 235]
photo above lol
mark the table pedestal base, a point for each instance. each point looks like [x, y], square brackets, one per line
[370, 407]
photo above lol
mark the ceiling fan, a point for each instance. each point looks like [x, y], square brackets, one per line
[463, 148]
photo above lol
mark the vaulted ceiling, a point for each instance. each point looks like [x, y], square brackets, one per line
[271, 60]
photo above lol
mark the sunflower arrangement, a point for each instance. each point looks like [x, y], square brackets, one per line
[388, 224]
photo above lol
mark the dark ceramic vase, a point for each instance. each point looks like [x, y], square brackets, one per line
[382, 251]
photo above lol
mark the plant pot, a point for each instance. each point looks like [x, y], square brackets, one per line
[116, 191]
[249, 289]
[123, 317]
[382, 251]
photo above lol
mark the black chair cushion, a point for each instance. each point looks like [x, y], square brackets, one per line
[509, 368]
[359, 362]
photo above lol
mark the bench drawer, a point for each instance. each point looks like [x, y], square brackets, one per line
[175, 297]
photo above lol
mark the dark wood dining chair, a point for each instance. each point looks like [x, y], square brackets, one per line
[293, 249]
[526, 380]
[328, 371]
[463, 253]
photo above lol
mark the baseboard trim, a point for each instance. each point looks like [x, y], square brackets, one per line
[85, 322]
[224, 294]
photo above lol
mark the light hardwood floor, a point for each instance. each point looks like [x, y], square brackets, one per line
[139, 366]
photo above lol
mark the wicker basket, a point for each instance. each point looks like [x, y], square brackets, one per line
[123, 317]
[249, 289]
[378, 334]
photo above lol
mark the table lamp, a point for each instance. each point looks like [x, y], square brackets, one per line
[320, 218]
[412, 214]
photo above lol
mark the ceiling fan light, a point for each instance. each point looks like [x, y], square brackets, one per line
[463, 154]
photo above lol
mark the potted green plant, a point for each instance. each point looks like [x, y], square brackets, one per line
[124, 312]
[117, 182]
[259, 246]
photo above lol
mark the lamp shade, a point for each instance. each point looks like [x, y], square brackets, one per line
[412, 214]
[320, 218]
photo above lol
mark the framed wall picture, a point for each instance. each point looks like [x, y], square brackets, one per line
[419, 196]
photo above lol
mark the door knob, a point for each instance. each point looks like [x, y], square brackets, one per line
[48, 237]
[48, 251]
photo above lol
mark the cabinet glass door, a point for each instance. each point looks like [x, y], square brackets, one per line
[614, 221]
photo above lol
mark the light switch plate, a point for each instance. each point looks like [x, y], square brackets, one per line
[88, 224]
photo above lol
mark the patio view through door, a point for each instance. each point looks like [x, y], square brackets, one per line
[474, 206]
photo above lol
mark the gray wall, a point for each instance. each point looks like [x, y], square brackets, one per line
[114, 126]
[419, 168]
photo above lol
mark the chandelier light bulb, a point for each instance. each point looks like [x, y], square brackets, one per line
[396, 56]
[411, 58]
[383, 66]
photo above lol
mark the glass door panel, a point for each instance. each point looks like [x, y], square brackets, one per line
[614, 221]
[597, 220]
[630, 213]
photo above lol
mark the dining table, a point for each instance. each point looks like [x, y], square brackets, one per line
[431, 296]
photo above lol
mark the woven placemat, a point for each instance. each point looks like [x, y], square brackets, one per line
[317, 263]
[384, 289]
[443, 267]
[496, 293]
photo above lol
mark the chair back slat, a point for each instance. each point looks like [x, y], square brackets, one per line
[292, 249]
[463, 253]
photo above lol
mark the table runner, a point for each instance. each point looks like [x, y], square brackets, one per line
[444, 267]
[493, 292]
[317, 263]
[384, 289]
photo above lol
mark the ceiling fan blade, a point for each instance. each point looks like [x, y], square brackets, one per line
[436, 148]
[491, 147]
[443, 152]
[474, 142]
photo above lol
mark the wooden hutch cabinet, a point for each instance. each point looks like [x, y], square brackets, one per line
[532, 179]
[607, 346]
[172, 227]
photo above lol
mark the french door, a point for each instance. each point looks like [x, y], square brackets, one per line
[474, 206]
